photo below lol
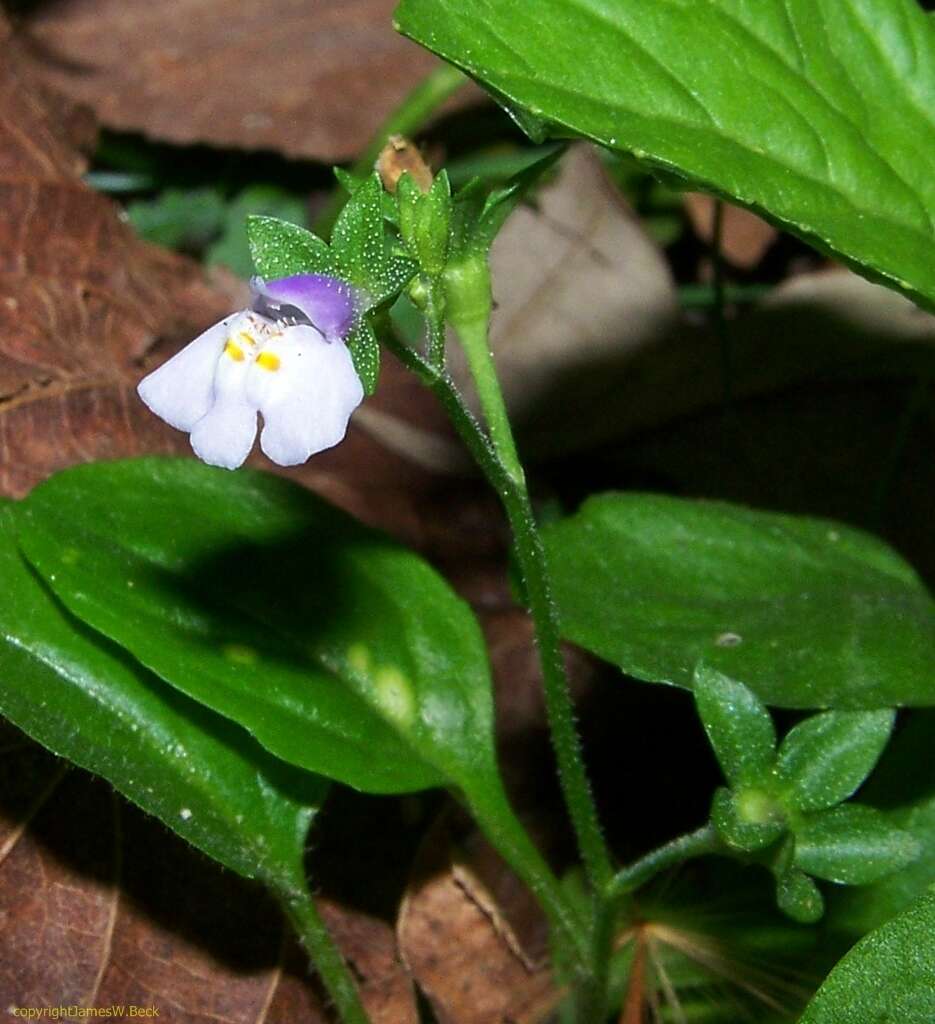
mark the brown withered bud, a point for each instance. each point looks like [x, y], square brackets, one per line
[399, 155]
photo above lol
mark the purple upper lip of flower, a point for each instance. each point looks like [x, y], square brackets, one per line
[326, 303]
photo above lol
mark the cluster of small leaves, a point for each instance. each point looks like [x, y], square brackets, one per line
[438, 227]
[382, 243]
[360, 253]
[786, 804]
[449, 236]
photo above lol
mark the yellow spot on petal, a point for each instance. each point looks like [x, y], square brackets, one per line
[240, 654]
[248, 338]
[358, 658]
[268, 361]
[394, 695]
[234, 351]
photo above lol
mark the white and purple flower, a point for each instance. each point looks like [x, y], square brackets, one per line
[285, 357]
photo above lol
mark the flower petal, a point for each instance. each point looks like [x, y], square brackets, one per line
[327, 302]
[180, 391]
[226, 434]
[307, 399]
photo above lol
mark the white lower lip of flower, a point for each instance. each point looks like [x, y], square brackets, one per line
[304, 387]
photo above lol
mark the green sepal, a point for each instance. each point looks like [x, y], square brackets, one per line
[365, 352]
[359, 241]
[798, 897]
[348, 181]
[746, 821]
[503, 201]
[433, 225]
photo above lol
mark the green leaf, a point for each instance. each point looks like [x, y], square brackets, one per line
[887, 978]
[503, 201]
[281, 249]
[824, 759]
[852, 844]
[807, 612]
[738, 726]
[338, 650]
[81, 696]
[817, 113]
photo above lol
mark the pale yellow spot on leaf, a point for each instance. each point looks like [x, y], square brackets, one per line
[358, 658]
[240, 654]
[394, 695]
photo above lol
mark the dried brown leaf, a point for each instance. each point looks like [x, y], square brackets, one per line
[307, 79]
[462, 948]
[101, 906]
[81, 301]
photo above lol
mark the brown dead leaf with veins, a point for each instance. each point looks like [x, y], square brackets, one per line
[81, 301]
[462, 949]
[102, 906]
[306, 79]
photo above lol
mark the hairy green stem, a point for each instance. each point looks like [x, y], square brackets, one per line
[299, 907]
[693, 844]
[416, 108]
[530, 554]
[531, 558]
[435, 319]
[592, 998]
[576, 788]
